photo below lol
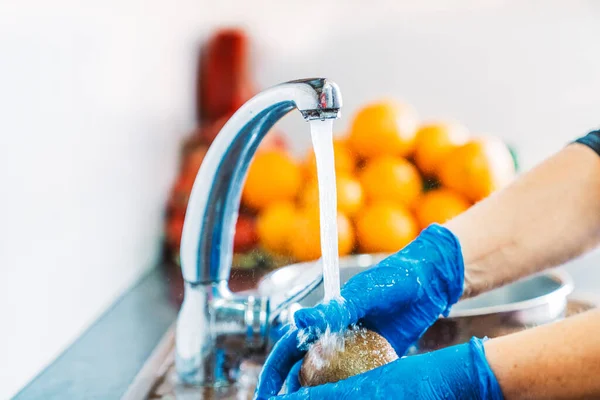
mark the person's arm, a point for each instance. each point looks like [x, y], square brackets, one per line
[552, 362]
[544, 218]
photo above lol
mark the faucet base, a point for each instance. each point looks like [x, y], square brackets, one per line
[215, 330]
[158, 378]
[242, 389]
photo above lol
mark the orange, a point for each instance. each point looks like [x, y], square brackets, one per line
[478, 168]
[383, 127]
[273, 227]
[439, 206]
[309, 195]
[273, 176]
[385, 227]
[434, 141]
[306, 243]
[344, 158]
[393, 179]
[350, 197]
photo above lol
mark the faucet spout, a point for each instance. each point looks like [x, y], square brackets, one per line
[211, 315]
[207, 240]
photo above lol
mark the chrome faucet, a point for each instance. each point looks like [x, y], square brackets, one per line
[215, 325]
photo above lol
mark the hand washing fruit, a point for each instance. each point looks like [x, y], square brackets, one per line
[333, 359]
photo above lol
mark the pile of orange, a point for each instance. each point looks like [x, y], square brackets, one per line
[384, 169]
[394, 177]
[282, 182]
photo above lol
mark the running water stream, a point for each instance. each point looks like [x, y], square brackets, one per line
[322, 140]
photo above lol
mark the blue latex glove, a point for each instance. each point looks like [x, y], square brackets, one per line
[457, 372]
[399, 298]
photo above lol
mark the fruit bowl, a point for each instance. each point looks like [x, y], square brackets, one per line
[395, 175]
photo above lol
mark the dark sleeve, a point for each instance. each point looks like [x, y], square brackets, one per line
[591, 140]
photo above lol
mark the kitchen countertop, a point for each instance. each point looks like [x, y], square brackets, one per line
[105, 359]
[102, 363]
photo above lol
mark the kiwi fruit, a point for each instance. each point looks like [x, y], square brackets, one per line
[336, 357]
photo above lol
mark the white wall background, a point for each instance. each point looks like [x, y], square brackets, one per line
[94, 97]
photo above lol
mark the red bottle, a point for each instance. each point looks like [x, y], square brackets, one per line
[223, 81]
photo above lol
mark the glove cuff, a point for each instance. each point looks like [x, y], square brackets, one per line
[489, 388]
[444, 255]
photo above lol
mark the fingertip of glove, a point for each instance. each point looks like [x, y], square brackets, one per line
[292, 380]
[318, 317]
[301, 317]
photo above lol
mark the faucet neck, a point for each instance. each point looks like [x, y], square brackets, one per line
[214, 323]
[207, 240]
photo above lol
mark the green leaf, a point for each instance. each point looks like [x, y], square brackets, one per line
[514, 155]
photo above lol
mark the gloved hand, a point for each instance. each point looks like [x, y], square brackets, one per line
[457, 372]
[399, 298]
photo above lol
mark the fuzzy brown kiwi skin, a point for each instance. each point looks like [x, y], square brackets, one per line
[363, 351]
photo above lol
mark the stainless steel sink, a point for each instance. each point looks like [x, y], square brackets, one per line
[515, 307]
[158, 378]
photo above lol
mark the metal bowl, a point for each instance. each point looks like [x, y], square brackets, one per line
[529, 302]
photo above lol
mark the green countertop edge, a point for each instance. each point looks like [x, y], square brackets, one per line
[105, 359]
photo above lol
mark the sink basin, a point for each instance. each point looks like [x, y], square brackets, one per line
[158, 380]
[530, 302]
